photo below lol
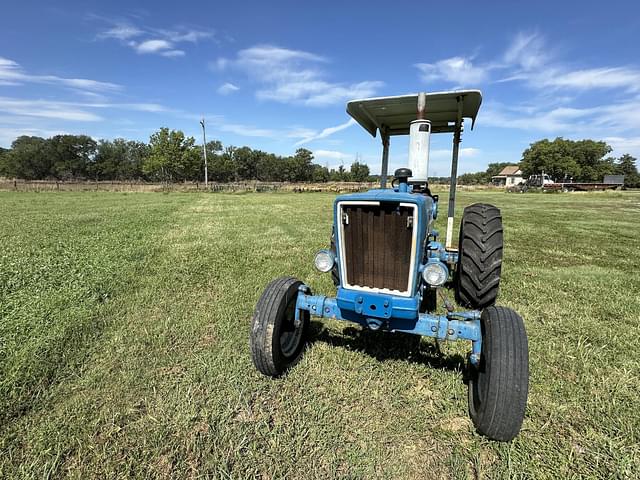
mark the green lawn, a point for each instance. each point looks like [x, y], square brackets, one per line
[124, 323]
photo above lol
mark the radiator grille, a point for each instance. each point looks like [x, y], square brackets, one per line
[377, 245]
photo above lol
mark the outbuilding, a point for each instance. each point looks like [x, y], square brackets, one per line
[509, 176]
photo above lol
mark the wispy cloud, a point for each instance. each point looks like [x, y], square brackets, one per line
[72, 111]
[46, 109]
[293, 76]
[227, 88]
[149, 40]
[12, 73]
[324, 133]
[459, 71]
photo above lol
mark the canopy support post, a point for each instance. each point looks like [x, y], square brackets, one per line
[384, 135]
[454, 174]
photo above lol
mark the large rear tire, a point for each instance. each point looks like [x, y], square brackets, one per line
[477, 280]
[276, 342]
[498, 387]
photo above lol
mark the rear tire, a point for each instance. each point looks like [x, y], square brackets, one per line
[479, 257]
[498, 387]
[276, 343]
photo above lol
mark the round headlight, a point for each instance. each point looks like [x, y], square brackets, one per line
[435, 273]
[324, 260]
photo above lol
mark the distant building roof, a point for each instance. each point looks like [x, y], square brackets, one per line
[511, 170]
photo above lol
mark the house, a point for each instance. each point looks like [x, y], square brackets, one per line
[509, 176]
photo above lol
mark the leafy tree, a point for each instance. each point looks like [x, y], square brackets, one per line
[298, 167]
[359, 172]
[339, 175]
[72, 155]
[28, 158]
[172, 157]
[270, 167]
[120, 159]
[246, 162]
[320, 174]
[582, 160]
[626, 166]
[4, 167]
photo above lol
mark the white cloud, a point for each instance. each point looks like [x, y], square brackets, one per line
[121, 32]
[227, 88]
[46, 109]
[13, 73]
[73, 111]
[173, 53]
[457, 70]
[527, 50]
[149, 40]
[293, 76]
[324, 133]
[153, 46]
[247, 130]
[592, 78]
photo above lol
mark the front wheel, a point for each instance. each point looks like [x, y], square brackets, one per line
[276, 342]
[498, 387]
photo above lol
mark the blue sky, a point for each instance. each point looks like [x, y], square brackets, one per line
[276, 75]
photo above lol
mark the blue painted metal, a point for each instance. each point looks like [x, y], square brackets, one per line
[422, 223]
[382, 311]
[453, 326]
[378, 305]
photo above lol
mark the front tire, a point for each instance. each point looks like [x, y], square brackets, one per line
[477, 279]
[498, 387]
[276, 342]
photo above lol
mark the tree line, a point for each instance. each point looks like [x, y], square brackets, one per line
[566, 160]
[169, 156]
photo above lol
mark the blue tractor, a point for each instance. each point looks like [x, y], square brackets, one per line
[389, 266]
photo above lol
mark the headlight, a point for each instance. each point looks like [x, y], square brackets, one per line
[435, 273]
[324, 260]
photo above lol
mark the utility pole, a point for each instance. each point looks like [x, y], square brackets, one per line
[204, 148]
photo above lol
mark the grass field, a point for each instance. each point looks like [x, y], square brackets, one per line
[124, 345]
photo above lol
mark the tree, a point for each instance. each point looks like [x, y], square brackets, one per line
[320, 173]
[359, 172]
[72, 155]
[299, 167]
[246, 162]
[172, 157]
[626, 166]
[581, 160]
[28, 158]
[119, 159]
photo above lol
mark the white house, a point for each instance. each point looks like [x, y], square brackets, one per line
[509, 176]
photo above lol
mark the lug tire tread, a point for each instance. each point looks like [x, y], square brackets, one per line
[480, 256]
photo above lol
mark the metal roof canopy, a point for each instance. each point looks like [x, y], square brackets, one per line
[392, 115]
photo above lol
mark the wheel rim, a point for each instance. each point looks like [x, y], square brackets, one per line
[476, 391]
[290, 335]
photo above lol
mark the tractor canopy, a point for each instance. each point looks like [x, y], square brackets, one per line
[394, 115]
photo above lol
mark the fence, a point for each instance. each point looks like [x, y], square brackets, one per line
[249, 186]
[114, 186]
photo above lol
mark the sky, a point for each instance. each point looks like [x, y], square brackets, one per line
[276, 75]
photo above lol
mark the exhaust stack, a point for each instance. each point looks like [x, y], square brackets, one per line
[419, 139]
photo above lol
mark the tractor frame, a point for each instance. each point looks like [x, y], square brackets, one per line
[387, 261]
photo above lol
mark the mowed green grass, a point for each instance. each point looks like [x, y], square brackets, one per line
[124, 345]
